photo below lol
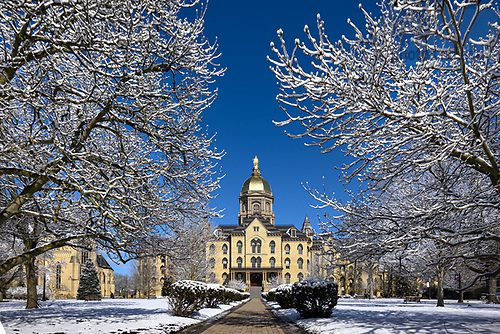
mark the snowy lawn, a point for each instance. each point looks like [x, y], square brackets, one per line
[378, 316]
[108, 316]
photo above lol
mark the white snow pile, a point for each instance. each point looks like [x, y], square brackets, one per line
[384, 316]
[108, 316]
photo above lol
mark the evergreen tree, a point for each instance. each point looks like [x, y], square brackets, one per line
[89, 281]
[167, 286]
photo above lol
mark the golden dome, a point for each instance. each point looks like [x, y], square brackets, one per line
[256, 182]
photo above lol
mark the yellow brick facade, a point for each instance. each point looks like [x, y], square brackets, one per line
[64, 268]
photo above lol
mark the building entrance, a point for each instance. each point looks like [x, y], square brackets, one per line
[256, 279]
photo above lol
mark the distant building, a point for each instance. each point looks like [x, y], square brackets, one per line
[65, 268]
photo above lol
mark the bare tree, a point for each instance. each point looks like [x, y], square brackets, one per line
[190, 261]
[399, 118]
[100, 111]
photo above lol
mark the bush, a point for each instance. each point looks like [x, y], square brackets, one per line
[237, 285]
[232, 295]
[187, 297]
[314, 298]
[21, 292]
[215, 295]
[270, 296]
[283, 296]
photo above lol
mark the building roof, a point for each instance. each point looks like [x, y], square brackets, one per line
[101, 262]
[282, 230]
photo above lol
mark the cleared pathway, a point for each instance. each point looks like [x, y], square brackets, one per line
[253, 317]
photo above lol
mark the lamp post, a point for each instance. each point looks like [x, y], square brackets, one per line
[428, 290]
[44, 296]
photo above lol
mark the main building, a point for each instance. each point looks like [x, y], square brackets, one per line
[256, 250]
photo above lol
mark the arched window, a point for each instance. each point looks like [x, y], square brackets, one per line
[268, 207]
[58, 276]
[239, 244]
[272, 262]
[224, 278]
[153, 281]
[287, 249]
[224, 263]
[256, 209]
[342, 281]
[239, 261]
[287, 278]
[300, 249]
[254, 262]
[212, 249]
[224, 249]
[259, 261]
[239, 276]
[287, 263]
[308, 265]
[300, 263]
[300, 276]
[212, 263]
[103, 278]
[256, 244]
[272, 245]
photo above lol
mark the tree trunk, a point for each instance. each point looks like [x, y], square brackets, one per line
[492, 291]
[32, 299]
[461, 292]
[440, 291]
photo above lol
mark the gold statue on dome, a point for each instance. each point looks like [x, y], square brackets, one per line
[255, 163]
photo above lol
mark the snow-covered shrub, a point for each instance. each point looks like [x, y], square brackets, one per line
[270, 295]
[215, 295]
[187, 297]
[275, 282]
[232, 295]
[283, 296]
[314, 298]
[21, 292]
[237, 285]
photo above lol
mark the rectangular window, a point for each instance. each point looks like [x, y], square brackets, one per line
[256, 229]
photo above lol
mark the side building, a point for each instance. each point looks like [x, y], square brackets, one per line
[64, 268]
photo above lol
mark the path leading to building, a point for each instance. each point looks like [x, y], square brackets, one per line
[253, 317]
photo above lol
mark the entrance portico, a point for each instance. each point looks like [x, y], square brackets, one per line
[255, 276]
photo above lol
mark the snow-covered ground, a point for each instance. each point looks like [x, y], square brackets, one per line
[107, 316]
[380, 316]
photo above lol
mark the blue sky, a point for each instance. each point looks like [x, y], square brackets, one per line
[246, 105]
[243, 113]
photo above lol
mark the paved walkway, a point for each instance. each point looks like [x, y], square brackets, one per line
[251, 318]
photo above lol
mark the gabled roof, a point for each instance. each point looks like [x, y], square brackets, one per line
[101, 262]
[282, 230]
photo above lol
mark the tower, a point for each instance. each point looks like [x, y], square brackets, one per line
[256, 197]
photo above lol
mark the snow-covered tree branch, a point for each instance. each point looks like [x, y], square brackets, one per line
[100, 111]
[423, 131]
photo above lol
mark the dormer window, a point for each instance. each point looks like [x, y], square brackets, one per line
[293, 232]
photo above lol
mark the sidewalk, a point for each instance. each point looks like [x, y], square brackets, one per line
[251, 318]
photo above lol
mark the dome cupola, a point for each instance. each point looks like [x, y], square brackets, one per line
[256, 182]
[256, 198]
